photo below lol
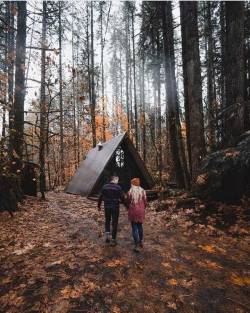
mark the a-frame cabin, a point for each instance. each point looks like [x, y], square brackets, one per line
[119, 156]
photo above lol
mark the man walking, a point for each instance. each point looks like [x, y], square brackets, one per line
[111, 194]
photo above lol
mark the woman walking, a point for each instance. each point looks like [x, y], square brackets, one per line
[137, 201]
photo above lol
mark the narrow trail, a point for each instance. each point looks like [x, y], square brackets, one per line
[53, 260]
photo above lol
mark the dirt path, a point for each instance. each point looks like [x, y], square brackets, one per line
[52, 260]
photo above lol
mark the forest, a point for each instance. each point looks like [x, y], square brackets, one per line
[76, 75]
[175, 77]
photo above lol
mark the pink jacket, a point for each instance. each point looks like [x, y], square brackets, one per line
[136, 211]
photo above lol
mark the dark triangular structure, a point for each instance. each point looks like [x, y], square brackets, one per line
[117, 155]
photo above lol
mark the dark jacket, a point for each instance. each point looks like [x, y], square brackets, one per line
[111, 194]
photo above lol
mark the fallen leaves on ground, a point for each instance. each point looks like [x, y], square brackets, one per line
[53, 259]
[207, 248]
[240, 280]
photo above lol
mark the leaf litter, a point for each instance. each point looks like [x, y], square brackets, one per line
[53, 259]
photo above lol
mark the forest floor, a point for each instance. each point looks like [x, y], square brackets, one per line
[52, 259]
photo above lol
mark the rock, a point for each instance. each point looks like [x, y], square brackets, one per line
[225, 174]
[185, 203]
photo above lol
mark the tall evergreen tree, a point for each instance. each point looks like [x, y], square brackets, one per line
[247, 65]
[234, 72]
[10, 68]
[43, 105]
[211, 90]
[19, 95]
[93, 91]
[192, 86]
[172, 109]
[62, 173]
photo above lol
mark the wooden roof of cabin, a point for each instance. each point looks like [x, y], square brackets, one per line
[92, 167]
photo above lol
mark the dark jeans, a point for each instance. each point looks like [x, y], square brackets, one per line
[137, 232]
[111, 214]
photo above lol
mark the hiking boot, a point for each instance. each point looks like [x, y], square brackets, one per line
[113, 242]
[136, 249]
[140, 244]
[107, 237]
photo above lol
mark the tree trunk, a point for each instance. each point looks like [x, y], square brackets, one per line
[43, 105]
[247, 86]
[144, 150]
[88, 58]
[93, 104]
[171, 91]
[222, 69]
[11, 43]
[61, 161]
[121, 80]
[74, 70]
[223, 43]
[4, 122]
[247, 66]
[211, 99]
[18, 107]
[159, 130]
[234, 72]
[78, 107]
[134, 78]
[154, 124]
[4, 83]
[102, 73]
[192, 86]
[131, 118]
[127, 71]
